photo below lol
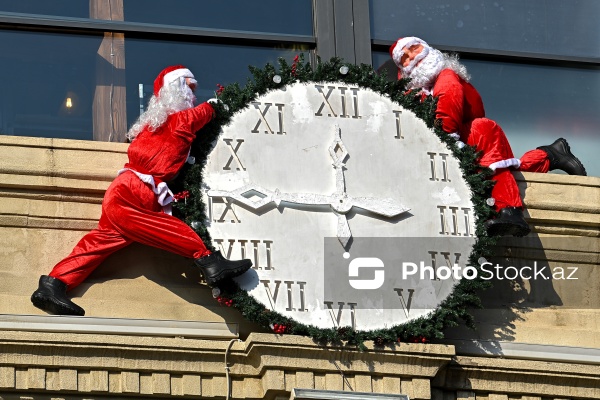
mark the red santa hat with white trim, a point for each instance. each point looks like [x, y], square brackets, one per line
[169, 75]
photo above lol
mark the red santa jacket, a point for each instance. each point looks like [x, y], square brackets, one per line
[459, 103]
[163, 152]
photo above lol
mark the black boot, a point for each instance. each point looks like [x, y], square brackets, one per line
[509, 222]
[215, 268]
[560, 156]
[51, 297]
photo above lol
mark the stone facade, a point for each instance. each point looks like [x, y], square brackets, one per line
[533, 341]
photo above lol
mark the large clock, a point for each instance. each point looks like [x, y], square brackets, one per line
[352, 210]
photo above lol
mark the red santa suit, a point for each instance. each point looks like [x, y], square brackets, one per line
[460, 108]
[132, 209]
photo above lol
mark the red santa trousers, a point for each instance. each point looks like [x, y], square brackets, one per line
[487, 137]
[130, 213]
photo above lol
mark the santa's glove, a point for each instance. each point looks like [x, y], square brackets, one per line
[218, 105]
[456, 137]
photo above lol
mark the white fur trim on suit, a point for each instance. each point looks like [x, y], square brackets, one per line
[164, 196]
[401, 44]
[511, 162]
[178, 73]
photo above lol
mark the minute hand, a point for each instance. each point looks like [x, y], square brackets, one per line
[342, 204]
[301, 198]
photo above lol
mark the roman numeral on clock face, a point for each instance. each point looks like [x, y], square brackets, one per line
[347, 108]
[336, 315]
[439, 258]
[262, 118]
[399, 134]
[223, 207]
[405, 299]
[257, 250]
[234, 154]
[439, 167]
[455, 221]
[294, 294]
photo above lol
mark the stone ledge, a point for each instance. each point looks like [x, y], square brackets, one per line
[508, 378]
[59, 165]
[264, 366]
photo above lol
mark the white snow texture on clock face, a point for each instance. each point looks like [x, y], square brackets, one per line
[332, 190]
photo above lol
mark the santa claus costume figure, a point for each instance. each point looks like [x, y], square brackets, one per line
[136, 206]
[461, 112]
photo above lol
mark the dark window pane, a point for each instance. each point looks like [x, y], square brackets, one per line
[59, 85]
[48, 84]
[276, 16]
[211, 65]
[536, 104]
[557, 27]
[64, 8]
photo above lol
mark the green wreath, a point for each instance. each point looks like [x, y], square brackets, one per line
[235, 98]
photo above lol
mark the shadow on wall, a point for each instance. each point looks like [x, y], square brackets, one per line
[172, 290]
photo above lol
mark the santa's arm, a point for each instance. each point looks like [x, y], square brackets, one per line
[450, 101]
[192, 120]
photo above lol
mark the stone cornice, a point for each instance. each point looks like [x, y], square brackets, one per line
[521, 377]
[261, 367]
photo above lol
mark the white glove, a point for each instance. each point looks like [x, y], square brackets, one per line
[214, 100]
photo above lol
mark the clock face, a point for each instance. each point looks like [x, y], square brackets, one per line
[351, 209]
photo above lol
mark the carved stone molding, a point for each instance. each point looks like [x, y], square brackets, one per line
[494, 378]
[264, 366]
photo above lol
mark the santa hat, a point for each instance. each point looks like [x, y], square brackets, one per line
[171, 74]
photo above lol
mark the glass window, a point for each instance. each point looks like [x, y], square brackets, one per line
[64, 8]
[211, 65]
[536, 104]
[276, 16]
[88, 86]
[48, 83]
[545, 27]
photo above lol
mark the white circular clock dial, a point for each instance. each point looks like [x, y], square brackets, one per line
[331, 190]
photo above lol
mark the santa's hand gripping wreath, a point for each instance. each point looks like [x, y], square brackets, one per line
[462, 115]
[136, 206]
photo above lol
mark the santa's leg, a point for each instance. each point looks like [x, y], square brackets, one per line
[549, 158]
[535, 161]
[87, 255]
[488, 138]
[157, 229]
[508, 204]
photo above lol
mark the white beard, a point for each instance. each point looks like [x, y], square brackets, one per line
[173, 98]
[423, 75]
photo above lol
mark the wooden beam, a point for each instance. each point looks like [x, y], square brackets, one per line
[109, 106]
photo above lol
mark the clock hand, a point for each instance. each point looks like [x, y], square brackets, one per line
[386, 207]
[249, 190]
[312, 199]
[339, 201]
[338, 153]
[343, 229]
[246, 194]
